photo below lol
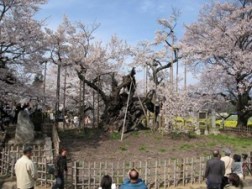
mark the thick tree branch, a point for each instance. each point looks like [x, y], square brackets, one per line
[93, 86]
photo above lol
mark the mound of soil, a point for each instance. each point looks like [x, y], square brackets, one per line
[95, 145]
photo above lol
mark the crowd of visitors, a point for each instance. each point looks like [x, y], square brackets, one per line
[221, 172]
[224, 172]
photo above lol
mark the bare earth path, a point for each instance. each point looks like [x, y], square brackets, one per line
[100, 146]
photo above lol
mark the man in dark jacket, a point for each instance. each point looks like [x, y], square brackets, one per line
[215, 170]
[133, 181]
[60, 168]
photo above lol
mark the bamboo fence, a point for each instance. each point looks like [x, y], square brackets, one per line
[87, 175]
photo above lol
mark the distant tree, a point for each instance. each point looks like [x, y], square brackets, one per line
[218, 46]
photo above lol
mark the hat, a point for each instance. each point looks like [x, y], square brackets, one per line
[227, 151]
[27, 149]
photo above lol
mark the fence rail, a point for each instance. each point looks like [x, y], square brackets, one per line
[237, 129]
[88, 175]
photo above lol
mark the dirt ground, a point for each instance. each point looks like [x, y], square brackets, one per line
[96, 145]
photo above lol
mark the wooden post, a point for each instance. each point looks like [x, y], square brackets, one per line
[89, 175]
[124, 169]
[200, 170]
[165, 173]
[174, 172]
[169, 172]
[146, 172]
[94, 175]
[125, 115]
[75, 175]
[183, 170]
[156, 175]
[192, 171]
[45, 171]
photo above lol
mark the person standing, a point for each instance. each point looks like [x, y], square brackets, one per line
[106, 183]
[228, 161]
[215, 170]
[134, 181]
[237, 166]
[25, 170]
[60, 168]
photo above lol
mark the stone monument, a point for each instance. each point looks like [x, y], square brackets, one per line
[25, 129]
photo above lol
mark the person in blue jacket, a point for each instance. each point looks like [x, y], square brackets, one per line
[133, 181]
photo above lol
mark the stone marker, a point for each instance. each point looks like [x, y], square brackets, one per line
[25, 128]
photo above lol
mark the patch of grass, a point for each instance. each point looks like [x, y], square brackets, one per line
[175, 135]
[147, 133]
[236, 142]
[162, 150]
[123, 148]
[115, 136]
[136, 134]
[158, 137]
[192, 134]
[211, 144]
[143, 148]
[185, 146]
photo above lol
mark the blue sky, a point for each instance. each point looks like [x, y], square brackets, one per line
[131, 20]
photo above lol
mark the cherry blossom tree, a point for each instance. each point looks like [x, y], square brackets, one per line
[218, 46]
[21, 47]
[98, 66]
[160, 55]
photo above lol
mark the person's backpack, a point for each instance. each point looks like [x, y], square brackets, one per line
[51, 169]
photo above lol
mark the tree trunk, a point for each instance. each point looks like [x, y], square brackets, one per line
[82, 117]
[115, 102]
[58, 93]
[64, 97]
[242, 112]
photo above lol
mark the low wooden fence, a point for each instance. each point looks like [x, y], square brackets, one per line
[87, 175]
[11, 153]
[156, 174]
[237, 129]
